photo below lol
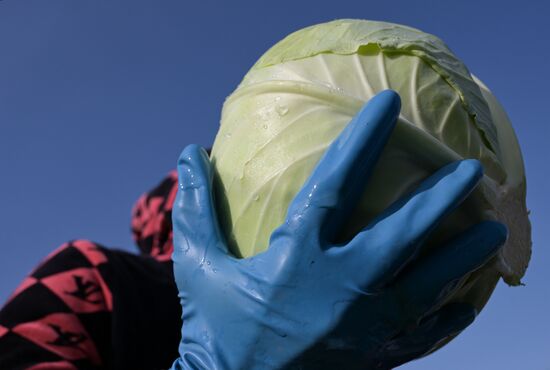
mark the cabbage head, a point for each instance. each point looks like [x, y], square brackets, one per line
[302, 92]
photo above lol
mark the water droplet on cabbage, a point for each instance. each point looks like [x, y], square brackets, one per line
[281, 110]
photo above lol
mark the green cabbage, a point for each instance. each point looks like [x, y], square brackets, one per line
[302, 92]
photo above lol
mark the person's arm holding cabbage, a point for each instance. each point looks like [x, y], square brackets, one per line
[308, 303]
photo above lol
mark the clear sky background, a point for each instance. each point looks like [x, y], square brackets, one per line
[97, 99]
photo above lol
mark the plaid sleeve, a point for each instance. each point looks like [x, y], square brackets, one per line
[89, 307]
[58, 315]
[152, 219]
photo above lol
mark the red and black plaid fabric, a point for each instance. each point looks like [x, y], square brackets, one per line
[89, 307]
[152, 219]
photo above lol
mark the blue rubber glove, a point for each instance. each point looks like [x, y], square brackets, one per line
[307, 303]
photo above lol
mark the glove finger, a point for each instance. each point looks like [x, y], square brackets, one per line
[434, 277]
[195, 223]
[342, 173]
[444, 324]
[395, 237]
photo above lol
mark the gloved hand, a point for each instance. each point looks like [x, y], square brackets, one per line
[310, 304]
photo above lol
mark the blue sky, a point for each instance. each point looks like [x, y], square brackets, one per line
[97, 99]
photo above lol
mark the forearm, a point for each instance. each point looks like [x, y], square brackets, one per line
[57, 317]
[90, 307]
